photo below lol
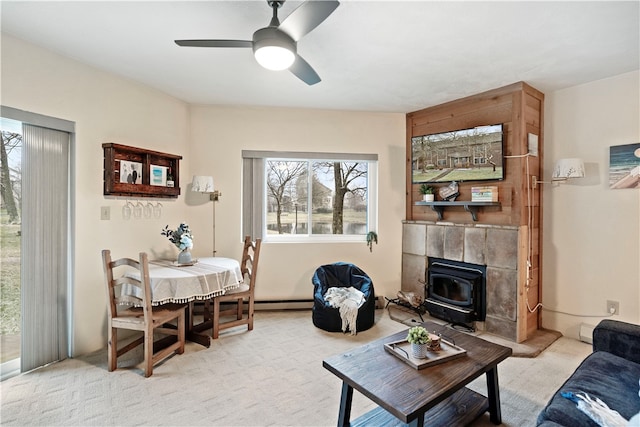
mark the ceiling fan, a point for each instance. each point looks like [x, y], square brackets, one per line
[275, 46]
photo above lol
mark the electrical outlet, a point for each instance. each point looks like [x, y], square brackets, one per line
[105, 213]
[613, 307]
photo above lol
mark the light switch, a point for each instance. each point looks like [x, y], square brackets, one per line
[105, 213]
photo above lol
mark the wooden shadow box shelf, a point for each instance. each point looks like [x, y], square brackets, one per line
[149, 169]
[471, 207]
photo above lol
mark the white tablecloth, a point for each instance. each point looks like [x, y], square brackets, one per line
[209, 277]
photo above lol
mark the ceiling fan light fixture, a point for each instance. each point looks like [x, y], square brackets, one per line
[273, 49]
[274, 57]
[275, 46]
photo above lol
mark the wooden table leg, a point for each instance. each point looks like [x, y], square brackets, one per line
[192, 334]
[493, 396]
[345, 405]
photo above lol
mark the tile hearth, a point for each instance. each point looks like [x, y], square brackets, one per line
[490, 245]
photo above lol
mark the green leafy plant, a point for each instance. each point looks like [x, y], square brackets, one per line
[181, 236]
[372, 237]
[427, 189]
[418, 335]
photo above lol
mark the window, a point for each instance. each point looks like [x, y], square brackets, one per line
[309, 196]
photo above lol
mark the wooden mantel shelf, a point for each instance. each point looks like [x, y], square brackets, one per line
[471, 207]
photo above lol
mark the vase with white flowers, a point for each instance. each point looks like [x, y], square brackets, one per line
[183, 239]
[420, 340]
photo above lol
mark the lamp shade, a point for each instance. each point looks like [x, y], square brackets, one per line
[568, 168]
[202, 184]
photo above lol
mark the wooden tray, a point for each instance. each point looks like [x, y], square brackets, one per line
[402, 350]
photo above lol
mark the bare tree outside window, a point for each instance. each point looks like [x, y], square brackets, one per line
[349, 179]
[10, 175]
[283, 181]
[332, 201]
[10, 244]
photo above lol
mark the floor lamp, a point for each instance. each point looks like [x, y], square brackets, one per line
[204, 184]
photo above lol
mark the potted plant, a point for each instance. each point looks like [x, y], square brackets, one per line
[372, 237]
[420, 340]
[427, 192]
[183, 239]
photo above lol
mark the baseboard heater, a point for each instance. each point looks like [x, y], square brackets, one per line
[288, 304]
[295, 304]
[586, 333]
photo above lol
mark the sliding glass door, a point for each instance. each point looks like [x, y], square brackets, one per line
[44, 207]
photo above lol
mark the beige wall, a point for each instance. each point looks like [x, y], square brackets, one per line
[591, 238]
[105, 108]
[219, 134]
[582, 121]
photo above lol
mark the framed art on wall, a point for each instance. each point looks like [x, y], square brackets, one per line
[130, 172]
[139, 172]
[158, 176]
[624, 166]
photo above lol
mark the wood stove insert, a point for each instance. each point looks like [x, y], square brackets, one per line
[456, 291]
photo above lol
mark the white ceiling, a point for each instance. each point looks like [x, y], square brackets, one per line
[390, 56]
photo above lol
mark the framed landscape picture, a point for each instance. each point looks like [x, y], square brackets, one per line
[130, 172]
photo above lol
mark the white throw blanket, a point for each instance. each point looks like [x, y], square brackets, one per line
[348, 301]
[597, 410]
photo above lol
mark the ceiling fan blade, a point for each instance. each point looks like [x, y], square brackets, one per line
[302, 70]
[307, 17]
[215, 43]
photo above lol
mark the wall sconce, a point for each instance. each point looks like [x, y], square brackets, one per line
[563, 170]
[204, 184]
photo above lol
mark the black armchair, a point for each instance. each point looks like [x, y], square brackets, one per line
[341, 275]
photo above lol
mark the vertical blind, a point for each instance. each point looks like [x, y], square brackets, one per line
[252, 197]
[45, 234]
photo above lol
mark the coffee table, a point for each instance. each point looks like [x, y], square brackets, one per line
[436, 393]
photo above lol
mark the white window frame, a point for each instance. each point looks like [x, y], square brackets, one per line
[255, 195]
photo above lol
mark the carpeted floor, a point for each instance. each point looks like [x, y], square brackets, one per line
[272, 376]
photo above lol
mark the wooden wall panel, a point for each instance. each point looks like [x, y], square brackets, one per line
[519, 107]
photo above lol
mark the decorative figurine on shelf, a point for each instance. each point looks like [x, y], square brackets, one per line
[183, 239]
[428, 193]
[450, 192]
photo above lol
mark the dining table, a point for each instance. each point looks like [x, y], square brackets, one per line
[200, 280]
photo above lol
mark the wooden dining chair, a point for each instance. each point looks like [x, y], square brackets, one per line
[238, 296]
[144, 318]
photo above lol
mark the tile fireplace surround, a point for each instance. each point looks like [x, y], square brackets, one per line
[491, 245]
